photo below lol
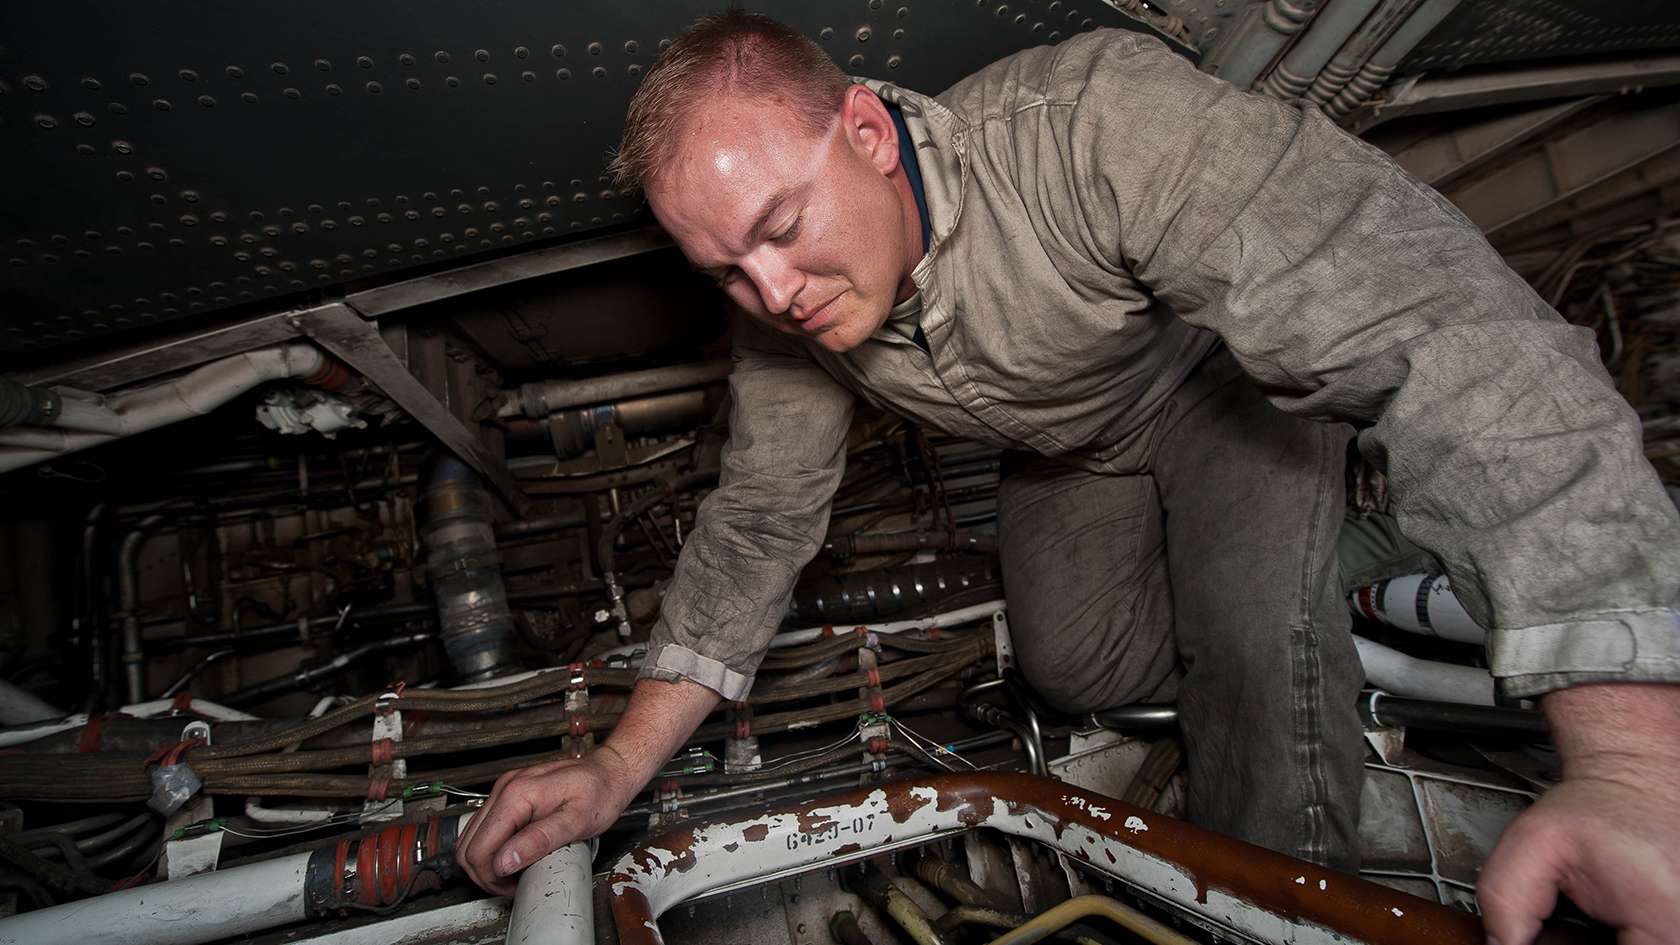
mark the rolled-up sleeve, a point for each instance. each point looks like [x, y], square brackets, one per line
[1350, 291]
[752, 536]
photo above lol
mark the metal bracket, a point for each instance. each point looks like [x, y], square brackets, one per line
[1002, 645]
[387, 725]
[196, 854]
[356, 341]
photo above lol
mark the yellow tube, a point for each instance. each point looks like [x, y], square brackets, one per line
[1053, 920]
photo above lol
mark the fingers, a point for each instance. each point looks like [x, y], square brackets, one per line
[1519, 884]
[509, 808]
[537, 840]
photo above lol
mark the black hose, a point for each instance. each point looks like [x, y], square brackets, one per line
[22, 404]
[1380, 708]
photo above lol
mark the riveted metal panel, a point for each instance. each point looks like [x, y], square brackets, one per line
[165, 161]
[1493, 31]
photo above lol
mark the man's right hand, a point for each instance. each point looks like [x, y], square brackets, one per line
[534, 811]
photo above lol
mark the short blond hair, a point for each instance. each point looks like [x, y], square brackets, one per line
[738, 52]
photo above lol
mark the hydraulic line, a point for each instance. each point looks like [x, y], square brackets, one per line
[1056, 918]
[877, 890]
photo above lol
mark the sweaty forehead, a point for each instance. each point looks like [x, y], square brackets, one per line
[728, 158]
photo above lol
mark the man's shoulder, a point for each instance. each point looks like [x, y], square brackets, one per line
[1041, 75]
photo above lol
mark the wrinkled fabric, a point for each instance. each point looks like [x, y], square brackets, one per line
[1103, 215]
[1209, 581]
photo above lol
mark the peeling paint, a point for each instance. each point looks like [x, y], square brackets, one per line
[1134, 823]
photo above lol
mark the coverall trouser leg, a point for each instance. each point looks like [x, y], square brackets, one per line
[1211, 580]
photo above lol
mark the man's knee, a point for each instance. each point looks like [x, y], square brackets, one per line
[1105, 657]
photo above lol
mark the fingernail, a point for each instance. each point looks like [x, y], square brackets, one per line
[508, 862]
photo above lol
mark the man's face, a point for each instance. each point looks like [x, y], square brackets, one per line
[805, 232]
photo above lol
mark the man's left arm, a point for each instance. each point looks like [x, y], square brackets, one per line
[1350, 291]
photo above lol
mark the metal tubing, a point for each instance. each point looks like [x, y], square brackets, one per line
[1329, 30]
[1380, 708]
[844, 927]
[128, 593]
[877, 890]
[1149, 717]
[1403, 675]
[1365, 41]
[193, 394]
[545, 397]
[1226, 882]
[1255, 42]
[555, 900]
[475, 620]
[227, 903]
[1376, 71]
[1056, 918]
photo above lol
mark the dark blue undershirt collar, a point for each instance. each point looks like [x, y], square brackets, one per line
[912, 173]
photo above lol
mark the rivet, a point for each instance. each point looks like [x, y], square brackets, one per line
[271, 231]
[439, 211]
[489, 78]
[1055, 35]
[463, 208]
[329, 224]
[411, 215]
[528, 76]
[471, 231]
[125, 176]
[826, 33]
[206, 101]
[491, 206]
[364, 62]
[482, 55]
[903, 12]
[446, 237]
[855, 61]
[291, 93]
[157, 173]
[441, 57]
[553, 201]
[382, 217]
[190, 196]
[413, 84]
[46, 122]
[521, 52]
[898, 35]
[84, 149]
[162, 104]
[187, 75]
[631, 46]
[562, 74]
[188, 219]
[333, 88]
[116, 108]
[452, 82]
[1019, 19]
[497, 227]
[598, 72]
[323, 65]
[664, 44]
[248, 238]
[373, 202]
[279, 68]
[139, 78]
[1036, 27]
[557, 51]
[84, 119]
[1002, 10]
[34, 83]
[249, 98]
[92, 236]
[893, 61]
[402, 199]
[81, 254]
[374, 88]
[544, 217]
[91, 84]
[633, 69]
[234, 72]
[219, 216]
[218, 240]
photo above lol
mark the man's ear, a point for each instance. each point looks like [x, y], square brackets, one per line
[869, 128]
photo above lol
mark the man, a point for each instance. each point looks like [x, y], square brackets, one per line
[1122, 269]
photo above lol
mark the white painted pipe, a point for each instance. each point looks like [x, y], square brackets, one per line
[193, 394]
[140, 710]
[21, 707]
[207, 907]
[1418, 603]
[555, 900]
[1393, 671]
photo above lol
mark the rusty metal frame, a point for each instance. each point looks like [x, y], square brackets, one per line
[1259, 894]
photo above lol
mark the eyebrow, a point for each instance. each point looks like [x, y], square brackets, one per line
[771, 205]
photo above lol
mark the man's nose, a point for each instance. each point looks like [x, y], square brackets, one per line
[778, 283]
